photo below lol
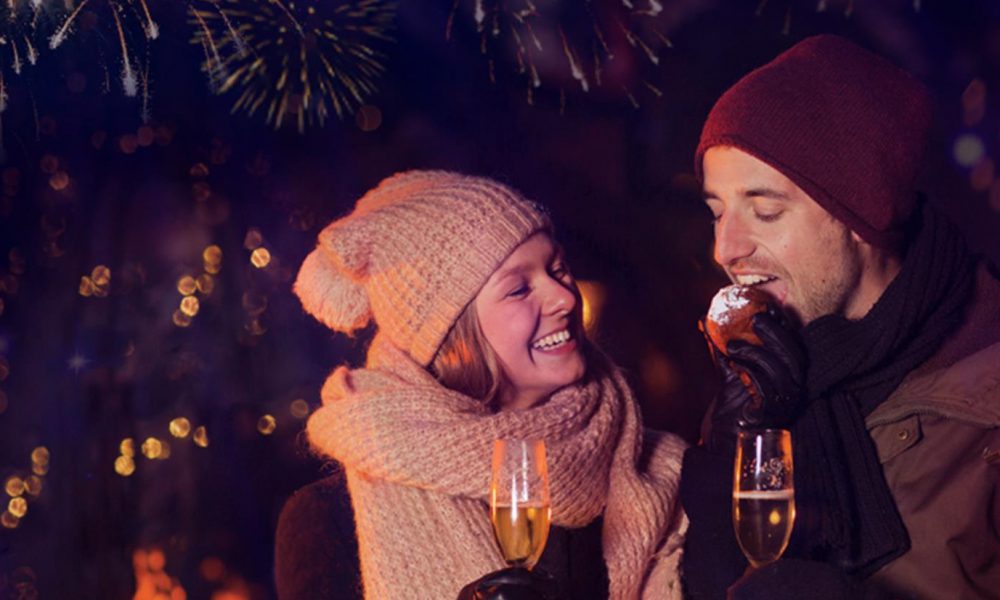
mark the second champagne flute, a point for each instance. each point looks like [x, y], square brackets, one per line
[763, 494]
[519, 500]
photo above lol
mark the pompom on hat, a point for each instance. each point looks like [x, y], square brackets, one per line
[414, 252]
[846, 125]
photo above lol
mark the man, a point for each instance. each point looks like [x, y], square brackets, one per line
[882, 358]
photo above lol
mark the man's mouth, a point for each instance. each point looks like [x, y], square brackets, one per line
[553, 340]
[754, 279]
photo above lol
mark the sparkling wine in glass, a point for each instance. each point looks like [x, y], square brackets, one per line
[519, 500]
[763, 494]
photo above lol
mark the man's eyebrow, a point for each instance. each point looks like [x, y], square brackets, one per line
[764, 193]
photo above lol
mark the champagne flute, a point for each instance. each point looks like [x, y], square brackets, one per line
[519, 500]
[763, 494]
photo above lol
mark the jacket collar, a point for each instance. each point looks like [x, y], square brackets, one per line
[968, 390]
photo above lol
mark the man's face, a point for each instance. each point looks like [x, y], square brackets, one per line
[770, 233]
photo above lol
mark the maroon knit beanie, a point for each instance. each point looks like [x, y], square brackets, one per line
[844, 124]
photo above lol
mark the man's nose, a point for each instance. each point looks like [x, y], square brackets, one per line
[732, 239]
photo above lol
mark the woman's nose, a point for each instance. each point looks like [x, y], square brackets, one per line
[559, 298]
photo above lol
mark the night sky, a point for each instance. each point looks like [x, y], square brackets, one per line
[148, 243]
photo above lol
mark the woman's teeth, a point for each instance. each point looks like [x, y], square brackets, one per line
[552, 340]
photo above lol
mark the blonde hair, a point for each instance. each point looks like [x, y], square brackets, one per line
[466, 362]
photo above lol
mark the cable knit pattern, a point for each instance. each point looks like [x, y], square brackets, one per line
[418, 460]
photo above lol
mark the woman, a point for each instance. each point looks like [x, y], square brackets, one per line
[478, 337]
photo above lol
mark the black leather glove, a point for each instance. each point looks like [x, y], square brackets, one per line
[761, 385]
[513, 583]
[792, 579]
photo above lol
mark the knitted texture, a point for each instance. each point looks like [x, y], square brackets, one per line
[413, 253]
[418, 460]
[844, 124]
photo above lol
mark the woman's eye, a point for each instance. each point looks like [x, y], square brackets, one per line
[518, 291]
[560, 270]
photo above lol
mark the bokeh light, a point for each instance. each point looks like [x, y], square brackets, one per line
[40, 455]
[190, 306]
[33, 486]
[201, 436]
[968, 150]
[152, 448]
[593, 294]
[14, 486]
[124, 466]
[253, 239]
[299, 408]
[260, 257]
[180, 427]
[186, 285]
[206, 283]
[127, 447]
[18, 507]
[266, 425]
[180, 319]
[8, 520]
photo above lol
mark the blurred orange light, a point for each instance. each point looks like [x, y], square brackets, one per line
[14, 486]
[86, 287]
[40, 455]
[18, 507]
[186, 285]
[260, 257]
[8, 520]
[253, 239]
[593, 294]
[181, 319]
[200, 436]
[127, 447]
[180, 427]
[124, 466]
[33, 485]
[59, 181]
[157, 560]
[299, 408]
[206, 283]
[266, 425]
[190, 306]
[152, 448]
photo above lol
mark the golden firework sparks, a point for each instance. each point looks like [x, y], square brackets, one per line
[570, 44]
[122, 11]
[293, 60]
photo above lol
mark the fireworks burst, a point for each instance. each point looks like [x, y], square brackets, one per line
[582, 45]
[122, 12]
[293, 59]
[19, 21]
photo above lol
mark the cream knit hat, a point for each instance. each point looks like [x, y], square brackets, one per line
[414, 252]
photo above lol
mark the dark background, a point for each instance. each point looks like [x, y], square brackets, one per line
[92, 177]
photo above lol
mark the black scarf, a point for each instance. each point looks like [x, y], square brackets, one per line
[847, 515]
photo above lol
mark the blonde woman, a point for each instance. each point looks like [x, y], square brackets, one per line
[478, 336]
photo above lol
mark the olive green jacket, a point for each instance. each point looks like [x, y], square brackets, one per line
[938, 438]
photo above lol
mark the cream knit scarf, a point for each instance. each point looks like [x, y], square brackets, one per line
[418, 457]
